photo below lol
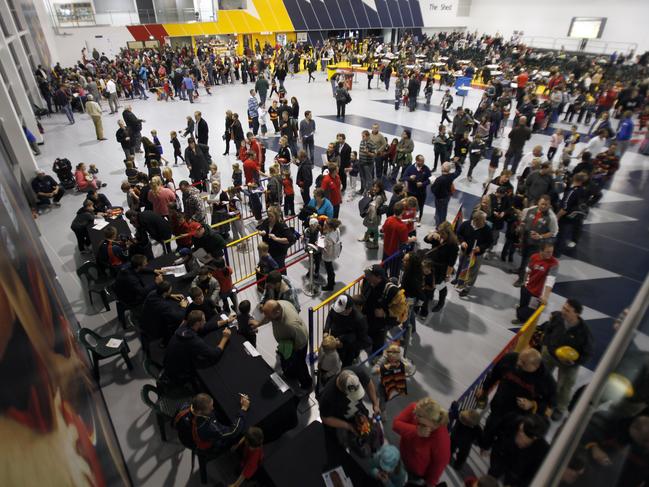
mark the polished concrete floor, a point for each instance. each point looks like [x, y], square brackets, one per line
[450, 349]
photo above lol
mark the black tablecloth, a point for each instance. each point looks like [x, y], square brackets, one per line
[237, 372]
[303, 460]
[97, 236]
[179, 285]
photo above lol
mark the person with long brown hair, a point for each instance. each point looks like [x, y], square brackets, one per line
[442, 256]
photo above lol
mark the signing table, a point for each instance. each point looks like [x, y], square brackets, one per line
[238, 372]
[96, 232]
[302, 461]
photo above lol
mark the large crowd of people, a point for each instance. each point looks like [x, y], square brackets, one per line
[535, 200]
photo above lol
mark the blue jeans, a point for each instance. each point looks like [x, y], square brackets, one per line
[68, 112]
[513, 158]
[145, 87]
[441, 209]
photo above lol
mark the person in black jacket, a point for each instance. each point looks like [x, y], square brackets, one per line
[346, 323]
[344, 151]
[187, 351]
[304, 177]
[442, 189]
[236, 132]
[202, 129]
[158, 228]
[131, 289]
[198, 427]
[227, 135]
[84, 219]
[524, 386]
[442, 257]
[475, 239]
[100, 202]
[519, 449]
[162, 313]
[210, 240]
[135, 126]
[572, 213]
[125, 138]
[566, 328]
[197, 163]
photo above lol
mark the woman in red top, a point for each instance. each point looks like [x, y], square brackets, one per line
[331, 186]
[425, 443]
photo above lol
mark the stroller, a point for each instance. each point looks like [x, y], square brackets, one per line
[63, 170]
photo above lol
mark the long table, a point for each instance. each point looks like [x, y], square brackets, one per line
[302, 461]
[237, 372]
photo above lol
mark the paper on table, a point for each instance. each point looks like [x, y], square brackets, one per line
[114, 343]
[252, 351]
[279, 382]
[99, 224]
[176, 270]
[336, 478]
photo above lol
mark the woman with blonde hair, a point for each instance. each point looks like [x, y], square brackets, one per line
[425, 443]
[277, 235]
[160, 196]
[168, 178]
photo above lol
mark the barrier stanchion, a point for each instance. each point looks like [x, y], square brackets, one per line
[311, 289]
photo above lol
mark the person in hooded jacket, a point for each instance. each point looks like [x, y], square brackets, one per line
[84, 219]
[187, 351]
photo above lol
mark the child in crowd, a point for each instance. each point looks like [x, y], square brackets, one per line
[555, 141]
[465, 432]
[409, 215]
[289, 193]
[573, 136]
[329, 363]
[392, 154]
[566, 155]
[176, 145]
[251, 447]
[158, 145]
[223, 274]
[274, 187]
[247, 326]
[154, 169]
[237, 176]
[398, 193]
[234, 209]
[265, 264]
[353, 173]
[168, 90]
[214, 175]
[131, 172]
[254, 201]
[428, 287]
[494, 162]
[311, 236]
[92, 169]
[393, 370]
[387, 467]
[262, 114]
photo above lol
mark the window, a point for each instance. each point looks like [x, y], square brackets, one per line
[14, 14]
[587, 27]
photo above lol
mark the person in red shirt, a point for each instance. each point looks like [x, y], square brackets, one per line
[181, 226]
[521, 81]
[251, 169]
[425, 443]
[395, 235]
[331, 186]
[289, 193]
[255, 146]
[542, 271]
[223, 274]
[252, 453]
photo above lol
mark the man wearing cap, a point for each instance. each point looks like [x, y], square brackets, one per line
[292, 339]
[45, 188]
[566, 328]
[342, 399]
[94, 110]
[349, 326]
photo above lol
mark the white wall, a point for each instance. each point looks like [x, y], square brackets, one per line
[67, 47]
[626, 19]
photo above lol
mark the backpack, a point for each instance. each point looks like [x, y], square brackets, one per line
[364, 205]
[397, 303]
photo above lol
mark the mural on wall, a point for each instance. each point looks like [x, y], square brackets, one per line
[54, 424]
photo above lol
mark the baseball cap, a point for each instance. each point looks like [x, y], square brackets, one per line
[389, 458]
[375, 270]
[343, 303]
[351, 385]
[313, 221]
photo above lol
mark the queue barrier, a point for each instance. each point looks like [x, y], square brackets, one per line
[519, 342]
[242, 256]
[215, 225]
[318, 314]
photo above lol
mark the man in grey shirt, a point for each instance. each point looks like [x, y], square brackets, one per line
[366, 154]
[307, 129]
[538, 183]
[380, 146]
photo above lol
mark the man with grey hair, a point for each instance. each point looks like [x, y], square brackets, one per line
[475, 239]
[94, 110]
[442, 189]
[292, 340]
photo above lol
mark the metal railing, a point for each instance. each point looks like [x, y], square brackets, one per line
[594, 46]
[318, 314]
[241, 254]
